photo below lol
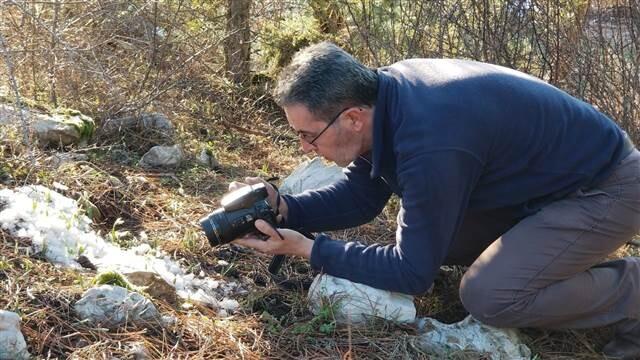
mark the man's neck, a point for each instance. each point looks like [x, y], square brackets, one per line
[367, 141]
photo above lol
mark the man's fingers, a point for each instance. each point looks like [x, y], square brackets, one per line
[252, 180]
[235, 185]
[265, 228]
[251, 243]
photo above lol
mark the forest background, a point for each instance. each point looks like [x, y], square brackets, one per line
[106, 58]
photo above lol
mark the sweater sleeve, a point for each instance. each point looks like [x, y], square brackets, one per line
[350, 202]
[436, 188]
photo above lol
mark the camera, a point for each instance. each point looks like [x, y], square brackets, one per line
[240, 209]
[237, 216]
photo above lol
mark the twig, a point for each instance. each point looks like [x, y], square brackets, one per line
[14, 87]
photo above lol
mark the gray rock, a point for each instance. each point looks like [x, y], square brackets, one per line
[311, 174]
[162, 156]
[114, 306]
[206, 159]
[64, 128]
[12, 344]
[147, 121]
[356, 303]
[469, 335]
[157, 121]
[154, 285]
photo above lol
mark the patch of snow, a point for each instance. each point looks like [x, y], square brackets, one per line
[57, 228]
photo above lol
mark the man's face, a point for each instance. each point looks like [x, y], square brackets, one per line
[337, 141]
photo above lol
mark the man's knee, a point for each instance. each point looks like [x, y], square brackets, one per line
[488, 302]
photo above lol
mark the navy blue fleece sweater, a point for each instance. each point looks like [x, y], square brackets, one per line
[451, 135]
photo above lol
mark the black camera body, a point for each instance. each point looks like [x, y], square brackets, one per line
[238, 214]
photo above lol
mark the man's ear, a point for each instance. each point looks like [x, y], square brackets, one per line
[356, 118]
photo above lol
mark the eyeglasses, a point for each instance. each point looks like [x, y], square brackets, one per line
[312, 141]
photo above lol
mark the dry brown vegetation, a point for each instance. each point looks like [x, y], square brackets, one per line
[115, 58]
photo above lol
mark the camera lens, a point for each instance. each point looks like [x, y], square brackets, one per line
[215, 225]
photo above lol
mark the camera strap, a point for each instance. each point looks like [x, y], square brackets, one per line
[277, 209]
[278, 260]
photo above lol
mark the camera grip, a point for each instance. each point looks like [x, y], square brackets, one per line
[276, 264]
[277, 260]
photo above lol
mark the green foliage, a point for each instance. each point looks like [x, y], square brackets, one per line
[273, 325]
[123, 238]
[88, 208]
[191, 240]
[4, 264]
[324, 322]
[114, 278]
[281, 40]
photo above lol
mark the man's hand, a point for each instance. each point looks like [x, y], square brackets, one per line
[291, 243]
[272, 194]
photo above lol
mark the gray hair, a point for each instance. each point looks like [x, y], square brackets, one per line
[325, 79]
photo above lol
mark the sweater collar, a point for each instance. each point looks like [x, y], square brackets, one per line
[380, 116]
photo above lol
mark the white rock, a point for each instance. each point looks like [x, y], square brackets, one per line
[50, 130]
[162, 156]
[443, 340]
[12, 344]
[114, 306]
[311, 174]
[356, 303]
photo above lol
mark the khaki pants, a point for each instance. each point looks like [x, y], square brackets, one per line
[546, 270]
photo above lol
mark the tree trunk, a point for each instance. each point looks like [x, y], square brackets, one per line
[237, 48]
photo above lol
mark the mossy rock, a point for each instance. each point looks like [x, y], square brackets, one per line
[84, 124]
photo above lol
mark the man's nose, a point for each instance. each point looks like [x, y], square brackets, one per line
[306, 147]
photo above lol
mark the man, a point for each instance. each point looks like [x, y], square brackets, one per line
[497, 170]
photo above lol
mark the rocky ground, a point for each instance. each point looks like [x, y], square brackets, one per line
[101, 254]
